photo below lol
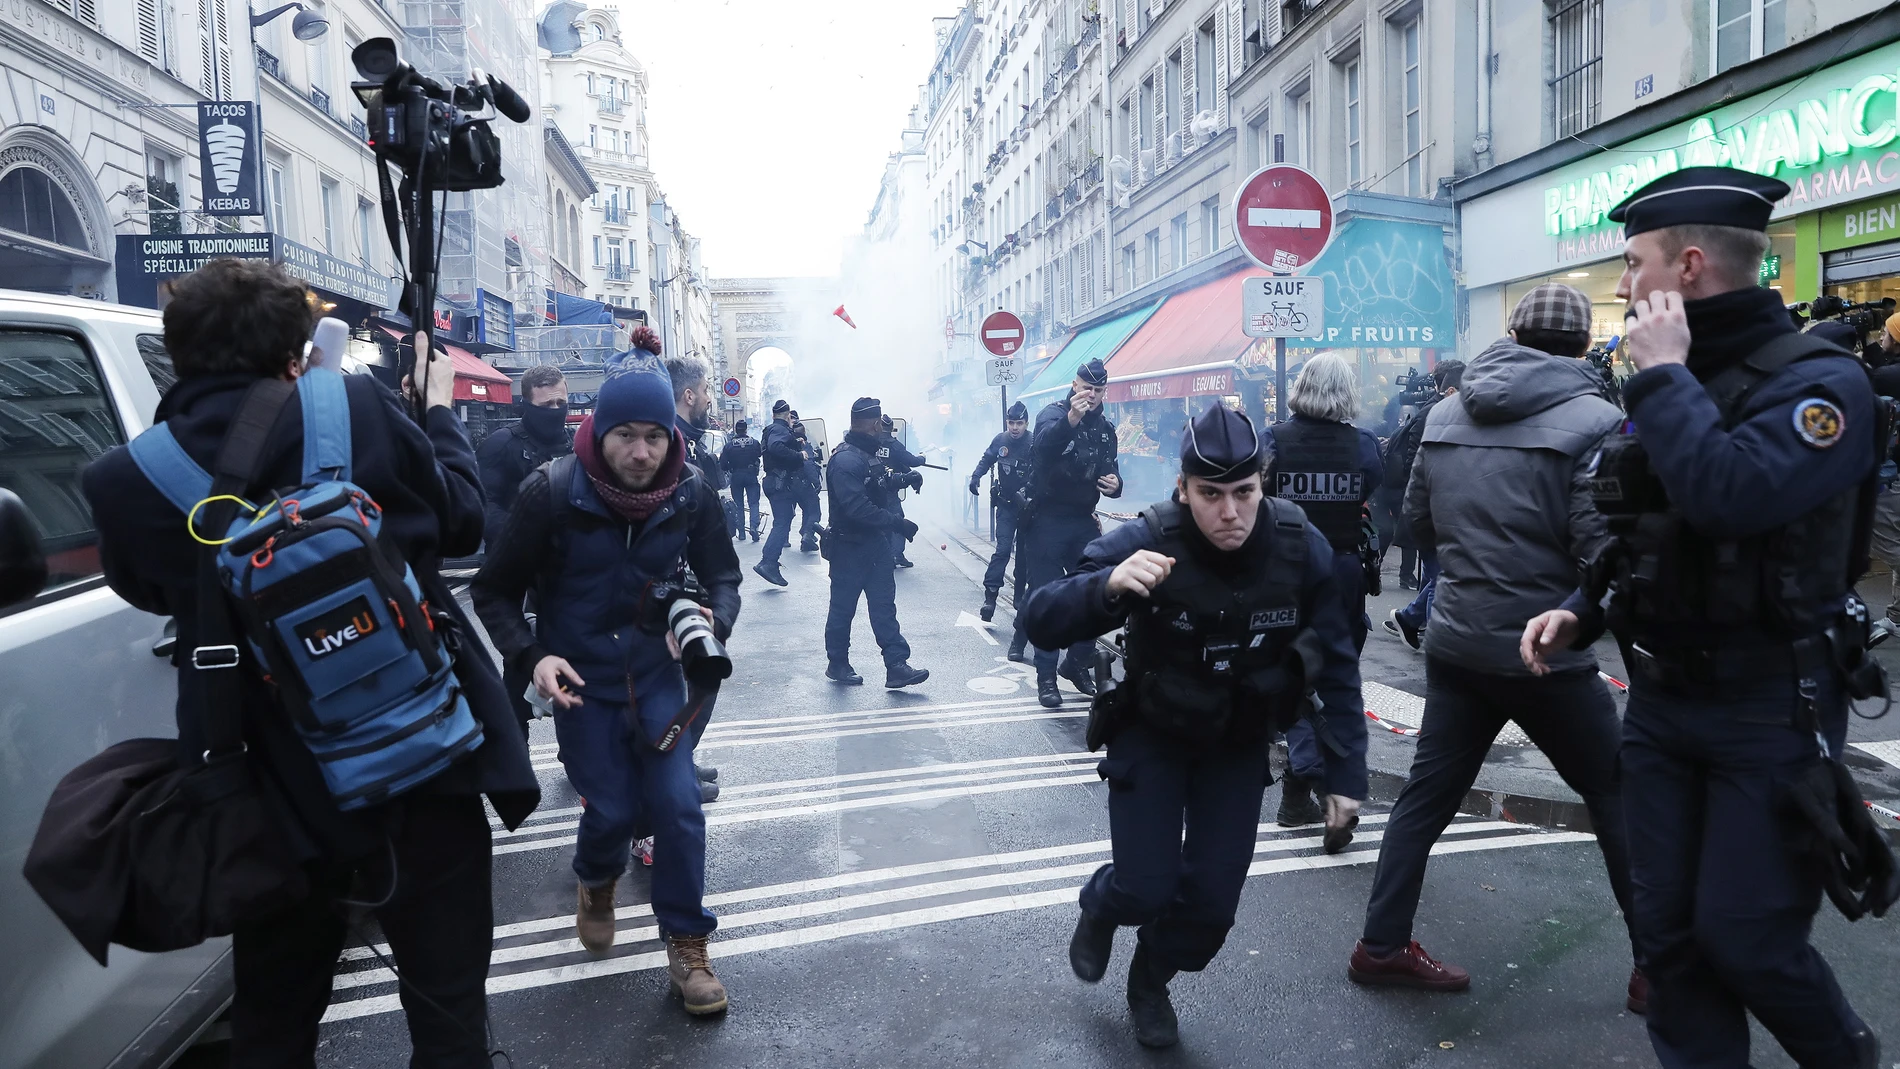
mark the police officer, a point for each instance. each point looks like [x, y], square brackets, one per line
[1008, 454]
[506, 458]
[1075, 465]
[784, 466]
[1734, 499]
[740, 458]
[905, 463]
[805, 489]
[1234, 623]
[863, 514]
[1319, 461]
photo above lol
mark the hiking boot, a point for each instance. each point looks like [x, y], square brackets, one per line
[594, 917]
[1079, 677]
[988, 611]
[901, 675]
[708, 792]
[643, 849]
[1638, 1000]
[1048, 693]
[1410, 967]
[1090, 947]
[706, 775]
[770, 573]
[1396, 624]
[1148, 1003]
[844, 673]
[1297, 804]
[690, 969]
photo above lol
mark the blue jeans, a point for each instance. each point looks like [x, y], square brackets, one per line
[625, 780]
[1419, 612]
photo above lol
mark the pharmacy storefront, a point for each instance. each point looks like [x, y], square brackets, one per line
[1834, 137]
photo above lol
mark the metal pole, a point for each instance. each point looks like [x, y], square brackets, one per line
[1279, 380]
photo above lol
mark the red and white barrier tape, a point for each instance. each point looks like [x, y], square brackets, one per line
[1883, 811]
[1614, 682]
[1389, 725]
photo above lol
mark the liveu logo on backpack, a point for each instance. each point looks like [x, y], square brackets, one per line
[330, 611]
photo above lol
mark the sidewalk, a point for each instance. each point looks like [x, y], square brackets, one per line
[1518, 781]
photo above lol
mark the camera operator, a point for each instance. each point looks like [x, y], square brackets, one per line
[231, 325]
[864, 514]
[602, 537]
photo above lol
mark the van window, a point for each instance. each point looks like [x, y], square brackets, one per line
[158, 361]
[55, 418]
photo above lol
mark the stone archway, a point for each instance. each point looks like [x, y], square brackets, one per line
[56, 196]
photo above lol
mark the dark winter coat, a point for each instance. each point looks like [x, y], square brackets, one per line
[507, 457]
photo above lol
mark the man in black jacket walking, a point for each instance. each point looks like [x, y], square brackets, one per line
[864, 512]
[740, 459]
[230, 324]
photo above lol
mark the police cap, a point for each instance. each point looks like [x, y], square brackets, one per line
[1095, 373]
[1701, 196]
[867, 408]
[780, 406]
[1220, 445]
[1017, 411]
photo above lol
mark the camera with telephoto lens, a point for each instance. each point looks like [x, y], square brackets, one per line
[702, 656]
[1416, 387]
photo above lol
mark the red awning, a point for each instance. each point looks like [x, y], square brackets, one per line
[1186, 349]
[474, 379]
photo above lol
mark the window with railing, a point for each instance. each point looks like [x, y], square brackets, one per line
[1576, 65]
[320, 99]
[269, 64]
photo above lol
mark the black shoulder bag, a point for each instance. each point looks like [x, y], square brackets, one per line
[138, 849]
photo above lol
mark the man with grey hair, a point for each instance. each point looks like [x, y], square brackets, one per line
[1500, 499]
[1319, 461]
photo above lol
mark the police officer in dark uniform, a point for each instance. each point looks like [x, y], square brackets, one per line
[784, 468]
[1322, 463]
[1734, 498]
[805, 489]
[863, 514]
[740, 459]
[1075, 465]
[1234, 626]
[1009, 455]
[905, 463]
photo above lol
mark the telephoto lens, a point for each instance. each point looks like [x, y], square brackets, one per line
[702, 656]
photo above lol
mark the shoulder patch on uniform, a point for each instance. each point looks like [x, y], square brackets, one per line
[1819, 422]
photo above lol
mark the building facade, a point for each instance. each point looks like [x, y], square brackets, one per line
[569, 189]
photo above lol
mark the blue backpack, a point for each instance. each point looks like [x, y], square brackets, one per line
[329, 610]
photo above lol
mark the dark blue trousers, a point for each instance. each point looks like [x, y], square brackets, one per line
[783, 501]
[1006, 517]
[864, 567]
[1052, 546]
[1302, 748]
[1184, 820]
[1722, 909]
[807, 497]
[746, 493]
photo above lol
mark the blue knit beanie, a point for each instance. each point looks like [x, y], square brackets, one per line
[637, 389]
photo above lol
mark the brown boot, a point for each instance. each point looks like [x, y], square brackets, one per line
[594, 918]
[690, 969]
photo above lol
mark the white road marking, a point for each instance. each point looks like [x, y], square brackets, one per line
[1070, 711]
[832, 718]
[977, 625]
[1886, 751]
[885, 922]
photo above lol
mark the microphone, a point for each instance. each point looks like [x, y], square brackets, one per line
[507, 101]
[327, 343]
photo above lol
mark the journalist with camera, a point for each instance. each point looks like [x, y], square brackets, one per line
[864, 514]
[246, 409]
[605, 538]
[1737, 499]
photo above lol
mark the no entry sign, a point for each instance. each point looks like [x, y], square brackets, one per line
[1002, 333]
[1283, 217]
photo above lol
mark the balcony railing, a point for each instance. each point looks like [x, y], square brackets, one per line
[613, 213]
[618, 273]
[359, 128]
[320, 100]
[269, 64]
[611, 104]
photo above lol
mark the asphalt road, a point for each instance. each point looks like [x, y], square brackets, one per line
[896, 873]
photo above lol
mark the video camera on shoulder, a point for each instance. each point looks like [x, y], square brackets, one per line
[1416, 387]
[1863, 317]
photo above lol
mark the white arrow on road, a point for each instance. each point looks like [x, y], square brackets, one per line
[964, 619]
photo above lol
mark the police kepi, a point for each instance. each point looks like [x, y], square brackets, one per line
[1739, 505]
[1235, 627]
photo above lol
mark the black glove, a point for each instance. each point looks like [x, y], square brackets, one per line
[973, 489]
[908, 529]
[1824, 820]
[915, 479]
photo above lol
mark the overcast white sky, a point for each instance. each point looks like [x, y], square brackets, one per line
[770, 120]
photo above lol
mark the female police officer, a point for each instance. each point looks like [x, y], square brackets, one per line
[1234, 620]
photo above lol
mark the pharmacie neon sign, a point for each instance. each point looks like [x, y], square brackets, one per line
[1812, 132]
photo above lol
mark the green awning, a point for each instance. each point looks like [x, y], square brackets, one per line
[1097, 342]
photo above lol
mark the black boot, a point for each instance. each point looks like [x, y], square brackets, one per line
[988, 611]
[902, 675]
[1018, 647]
[1297, 805]
[843, 673]
[1079, 676]
[1866, 1049]
[1148, 1004]
[1047, 693]
[1090, 947]
[769, 573]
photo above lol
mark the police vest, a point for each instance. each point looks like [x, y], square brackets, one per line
[1206, 651]
[1670, 580]
[1316, 466]
[1012, 463]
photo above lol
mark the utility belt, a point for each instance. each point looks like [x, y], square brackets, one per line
[1014, 497]
[1840, 650]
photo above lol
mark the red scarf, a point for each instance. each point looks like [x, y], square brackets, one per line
[629, 505]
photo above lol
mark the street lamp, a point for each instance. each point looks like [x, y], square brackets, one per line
[307, 26]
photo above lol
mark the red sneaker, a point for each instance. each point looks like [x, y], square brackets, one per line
[1410, 967]
[1638, 1001]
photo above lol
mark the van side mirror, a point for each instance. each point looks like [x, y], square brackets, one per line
[22, 560]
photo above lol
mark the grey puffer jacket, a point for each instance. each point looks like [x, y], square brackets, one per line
[1499, 491]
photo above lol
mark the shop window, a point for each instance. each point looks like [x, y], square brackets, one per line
[58, 418]
[1746, 29]
[1576, 65]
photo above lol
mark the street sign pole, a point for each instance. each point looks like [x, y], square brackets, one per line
[1279, 380]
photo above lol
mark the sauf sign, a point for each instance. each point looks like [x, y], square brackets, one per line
[230, 157]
